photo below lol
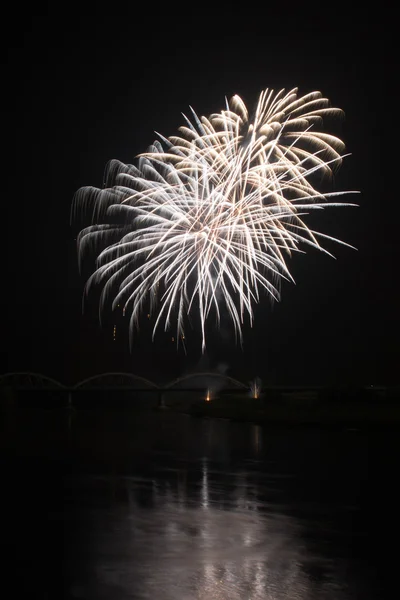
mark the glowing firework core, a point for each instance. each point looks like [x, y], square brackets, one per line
[205, 222]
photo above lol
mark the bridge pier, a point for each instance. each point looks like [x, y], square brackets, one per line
[161, 400]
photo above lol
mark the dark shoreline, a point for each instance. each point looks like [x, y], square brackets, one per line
[275, 419]
[22, 425]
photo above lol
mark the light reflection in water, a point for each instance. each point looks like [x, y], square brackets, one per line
[204, 487]
[179, 541]
[257, 439]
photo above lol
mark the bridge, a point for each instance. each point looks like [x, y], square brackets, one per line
[117, 381]
[205, 385]
[202, 384]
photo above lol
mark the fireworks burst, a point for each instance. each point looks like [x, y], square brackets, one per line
[207, 219]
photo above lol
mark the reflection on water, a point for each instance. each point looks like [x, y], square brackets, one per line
[161, 506]
[172, 549]
[197, 531]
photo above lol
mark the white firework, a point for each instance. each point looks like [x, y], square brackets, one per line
[206, 222]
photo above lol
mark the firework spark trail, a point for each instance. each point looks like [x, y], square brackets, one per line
[210, 216]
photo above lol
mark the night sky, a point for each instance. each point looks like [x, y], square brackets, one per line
[83, 86]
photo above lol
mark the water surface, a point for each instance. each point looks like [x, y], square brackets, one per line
[165, 507]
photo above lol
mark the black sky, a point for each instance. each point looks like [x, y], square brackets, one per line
[84, 85]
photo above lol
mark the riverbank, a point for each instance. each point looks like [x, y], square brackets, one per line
[383, 414]
[58, 424]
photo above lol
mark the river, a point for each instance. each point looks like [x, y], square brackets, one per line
[160, 506]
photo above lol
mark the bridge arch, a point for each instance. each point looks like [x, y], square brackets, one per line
[116, 380]
[207, 379]
[28, 380]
